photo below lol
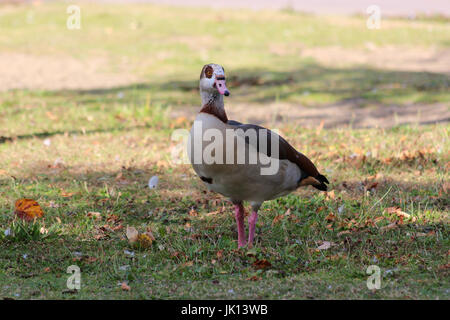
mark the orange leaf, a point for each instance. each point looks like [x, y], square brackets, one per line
[330, 195]
[28, 209]
[66, 194]
[277, 219]
[254, 278]
[261, 264]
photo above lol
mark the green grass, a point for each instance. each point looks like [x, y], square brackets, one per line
[102, 146]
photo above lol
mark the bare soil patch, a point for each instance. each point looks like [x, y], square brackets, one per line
[336, 115]
[26, 71]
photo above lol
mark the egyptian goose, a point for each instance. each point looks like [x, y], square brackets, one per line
[213, 149]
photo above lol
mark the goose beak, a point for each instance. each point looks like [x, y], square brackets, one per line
[222, 87]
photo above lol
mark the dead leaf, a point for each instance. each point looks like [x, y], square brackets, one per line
[444, 266]
[389, 226]
[325, 245]
[399, 213]
[125, 287]
[66, 194]
[28, 209]
[253, 278]
[277, 219]
[188, 264]
[132, 234]
[96, 215]
[372, 186]
[149, 234]
[330, 217]
[193, 213]
[261, 264]
[319, 209]
[330, 195]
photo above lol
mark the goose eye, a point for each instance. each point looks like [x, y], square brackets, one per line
[209, 72]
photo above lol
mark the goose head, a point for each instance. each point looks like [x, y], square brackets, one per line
[212, 80]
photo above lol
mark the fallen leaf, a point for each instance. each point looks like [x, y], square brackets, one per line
[389, 226]
[188, 264]
[125, 287]
[330, 217]
[277, 219]
[399, 212]
[66, 194]
[325, 245]
[372, 186]
[444, 266]
[193, 213]
[28, 209]
[149, 234]
[254, 278]
[132, 235]
[96, 215]
[330, 195]
[261, 264]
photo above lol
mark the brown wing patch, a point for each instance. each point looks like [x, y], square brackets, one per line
[309, 181]
[286, 151]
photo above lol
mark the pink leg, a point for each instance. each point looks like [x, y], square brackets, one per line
[251, 227]
[239, 213]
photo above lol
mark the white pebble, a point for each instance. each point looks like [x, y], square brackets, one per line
[47, 142]
[129, 253]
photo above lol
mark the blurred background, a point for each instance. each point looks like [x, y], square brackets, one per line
[311, 62]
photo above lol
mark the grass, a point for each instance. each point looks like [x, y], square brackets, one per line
[82, 151]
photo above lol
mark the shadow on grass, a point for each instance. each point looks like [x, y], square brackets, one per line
[47, 134]
[263, 86]
[346, 91]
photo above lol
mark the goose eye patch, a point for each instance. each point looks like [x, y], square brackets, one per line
[209, 72]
